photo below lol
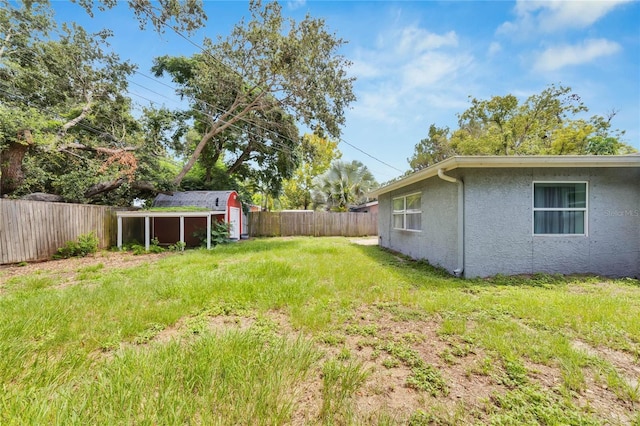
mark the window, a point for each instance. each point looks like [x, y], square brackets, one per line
[407, 212]
[559, 208]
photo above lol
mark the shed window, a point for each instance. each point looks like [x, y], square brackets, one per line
[407, 212]
[560, 208]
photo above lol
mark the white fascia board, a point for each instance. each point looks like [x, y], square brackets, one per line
[503, 161]
[167, 214]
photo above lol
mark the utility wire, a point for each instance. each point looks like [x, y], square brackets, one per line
[220, 110]
[208, 53]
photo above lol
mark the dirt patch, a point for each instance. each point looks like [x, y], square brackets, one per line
[368, 241]
[626, 364]
[66, 269]
[470, 382]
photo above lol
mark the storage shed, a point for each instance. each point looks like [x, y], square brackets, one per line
[225, 206]
[181, 224]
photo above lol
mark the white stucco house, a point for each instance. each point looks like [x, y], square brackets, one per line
[482, 216]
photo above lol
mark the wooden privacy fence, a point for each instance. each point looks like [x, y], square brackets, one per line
[317, 224]
[34, 230]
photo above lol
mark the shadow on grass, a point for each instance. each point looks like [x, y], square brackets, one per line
[402, 262]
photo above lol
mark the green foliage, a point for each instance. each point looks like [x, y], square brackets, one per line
[543, 124]
[264, 56]
[344, 185]
[138, 249]
[178, 246]
[431, 150]
[85, 245]
[316, 154]
[219, 234]
[423, 376]
[84, 144]
[340, 382]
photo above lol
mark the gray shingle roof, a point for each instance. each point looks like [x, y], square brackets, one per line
[213, 200]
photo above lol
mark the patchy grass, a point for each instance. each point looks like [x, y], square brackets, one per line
[312, 331]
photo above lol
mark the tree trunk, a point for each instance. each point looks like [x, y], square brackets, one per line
[11, 162]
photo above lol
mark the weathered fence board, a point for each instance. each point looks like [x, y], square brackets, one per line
[309, 223]
[33, 230]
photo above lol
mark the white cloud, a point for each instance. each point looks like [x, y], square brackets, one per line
[296, 4]
[379, 105]
[413, 40]
[407, 66]
[494, 48]
[432, 67]
[547, 16]
[558, 57]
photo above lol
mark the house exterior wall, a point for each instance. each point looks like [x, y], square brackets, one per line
[438, 239]
[498, 223]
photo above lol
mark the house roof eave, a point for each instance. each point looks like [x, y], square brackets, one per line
[548, 161]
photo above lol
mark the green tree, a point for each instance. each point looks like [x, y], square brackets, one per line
[344, 185]
[183, 15]
[544, 124]
[316, 154]
[66, 126]
[266, 73]
[431, 150]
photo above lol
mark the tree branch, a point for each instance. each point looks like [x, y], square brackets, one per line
[85, 111]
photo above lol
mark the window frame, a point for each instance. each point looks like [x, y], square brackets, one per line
[404, 212]
[584, 209]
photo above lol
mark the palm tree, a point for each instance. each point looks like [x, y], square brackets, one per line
[343, 185]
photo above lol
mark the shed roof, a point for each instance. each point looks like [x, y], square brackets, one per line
[212, 200]
[515, 161]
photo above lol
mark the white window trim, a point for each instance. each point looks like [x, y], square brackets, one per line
[404, 212]
[584, 209]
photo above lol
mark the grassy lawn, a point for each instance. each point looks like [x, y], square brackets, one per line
[312, 331]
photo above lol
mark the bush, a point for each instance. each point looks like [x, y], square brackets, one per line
[219, 234]
[86, 244]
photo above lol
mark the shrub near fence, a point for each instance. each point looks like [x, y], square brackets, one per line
[310, 223]
[34, 230]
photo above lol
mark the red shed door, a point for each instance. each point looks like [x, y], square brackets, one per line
[234, 221]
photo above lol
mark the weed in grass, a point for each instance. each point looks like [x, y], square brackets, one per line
[532, 405]
[390, 362]
[448, 357]
[420, 418]
[427, 378]
[362, 330]
[572, 375]
[344, 354]
[226, 309]
[400, 312]
[331, 339]
[197, 324]
[34, 283]
[148, 334]
[92, 268]
[515, 373]
[453, 326]
[340, 382]
[423, 376]
[412, 338]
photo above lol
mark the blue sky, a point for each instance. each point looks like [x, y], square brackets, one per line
[417, 63]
